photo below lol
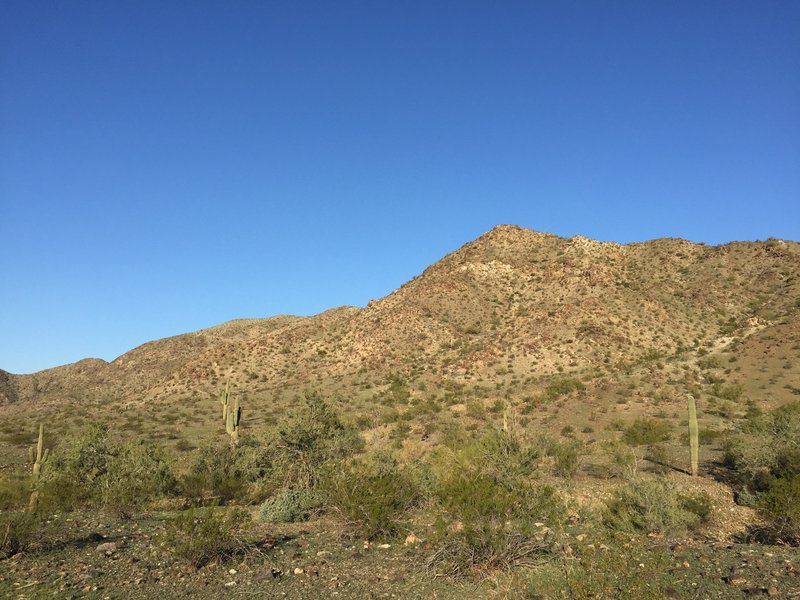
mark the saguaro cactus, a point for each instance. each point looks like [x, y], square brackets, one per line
[693, 435]
[38, 458]
[233, 417]
[224, 400]
[40, 455]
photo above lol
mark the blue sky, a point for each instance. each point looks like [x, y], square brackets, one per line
[168, 166]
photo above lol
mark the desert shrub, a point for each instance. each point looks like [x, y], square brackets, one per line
[646, 431]
[73, 475]
[616, 571]
[14, 491]
[485, 525]
[566, 457]
[17, 530]
[373, 502]
[203, 535]
[223, 472]
[698, 504]
[287, 506]
[780, 508]
[620, 460]
[648, 504]
[137, 473]
[184, 445]
[309, 439]
[731, 393]
[500, 455]
[766, 446]
[787, 463]
[562, 387]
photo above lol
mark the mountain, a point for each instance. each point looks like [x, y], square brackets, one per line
[507, 310]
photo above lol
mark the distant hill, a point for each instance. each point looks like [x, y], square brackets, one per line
[513, 305]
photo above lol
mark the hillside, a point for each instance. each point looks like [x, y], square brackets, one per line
[513, 303]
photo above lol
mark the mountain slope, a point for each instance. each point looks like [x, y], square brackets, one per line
[513, 303]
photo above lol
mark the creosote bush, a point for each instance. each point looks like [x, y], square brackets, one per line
[287, 506]
[223, 472]
[313, 437]
[624, 568]
[374, 502]
[766, 447]
[14, 491]
[204, 535]
[17, 531]
[486, 526]
[780, 508]
[489, 502]
[647, 431]
[137, 473]
[649, 503]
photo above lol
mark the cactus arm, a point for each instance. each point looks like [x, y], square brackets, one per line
[40, 456]
[223, 399]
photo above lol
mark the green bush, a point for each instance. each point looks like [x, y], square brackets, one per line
[646, 431]
[787, 463]
[648, 504]
[286, 506]
[766, 446]
[203, 535]
[374, 504]
[626, 569]
[485, 525]
[224, 472]
[306, 441]
[780, 508]
[499, 455]
[562, 387]
[566, 457]
[698, 504]
[14, 491]
[621, 459]
[75, 471]
[17, 530]
[137, 473]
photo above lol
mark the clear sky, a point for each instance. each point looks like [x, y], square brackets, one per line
[168, 166]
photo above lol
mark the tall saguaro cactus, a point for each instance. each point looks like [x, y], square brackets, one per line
[40, 455]
[234, 416]
[693, 435]
[231, 413]
[224, 399]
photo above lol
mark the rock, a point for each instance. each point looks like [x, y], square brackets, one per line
[230, 584]
[232, 571]
[298, 571]
[384, 546]
[411, 539]
[107, 548]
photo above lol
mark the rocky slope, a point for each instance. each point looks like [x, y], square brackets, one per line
[513, 302]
